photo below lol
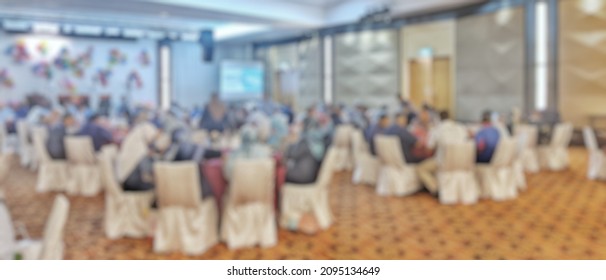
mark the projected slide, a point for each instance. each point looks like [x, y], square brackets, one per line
[241, 80]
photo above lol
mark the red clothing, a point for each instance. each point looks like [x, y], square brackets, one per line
[422, 135]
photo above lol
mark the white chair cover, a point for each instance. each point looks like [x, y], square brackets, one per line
[529, 156]
[249, 217]
[85, 175]
[313, 198]
[518, 164]
[554, 157]
[7, 234]
[127, 214]
[396, 177]
[51, 246]
[366, 167]
[596, 169]
[25, 148]
[52, 174]
[5, 142]
[342, 146]
[456, 178]
[497, 179]
[186, 222]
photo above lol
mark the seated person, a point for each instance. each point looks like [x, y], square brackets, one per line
[407, 141]
[187, 151]
[448, 131]
[420, 129]
[486, 139]
[279, 129]
[57, 133]
[303, 162]
[7, 118]
[303, 159]
[380, 128]
[136, 156]
[100, 135]
[214, 116]
[250, 148]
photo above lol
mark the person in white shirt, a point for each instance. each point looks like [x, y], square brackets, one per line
[448, 131]
[499, 122]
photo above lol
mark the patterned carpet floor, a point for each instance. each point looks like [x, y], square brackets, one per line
[561, 216]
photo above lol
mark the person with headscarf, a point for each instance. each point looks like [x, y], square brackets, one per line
[262, 123]
[135, 158]
[279, 129]
[303, 159]
[250, 148]
[215, 115]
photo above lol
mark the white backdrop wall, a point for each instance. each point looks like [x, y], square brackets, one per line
[193, 80]
[66, 81]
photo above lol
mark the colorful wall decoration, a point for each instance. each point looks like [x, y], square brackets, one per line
[144, 58]
[42, 48]
[17, 52]
[102, 76]
[54, 65]
[134, 79]
[5, 79]
[116, 57]
[42, 70]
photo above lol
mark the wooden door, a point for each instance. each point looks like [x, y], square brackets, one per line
[430, 82]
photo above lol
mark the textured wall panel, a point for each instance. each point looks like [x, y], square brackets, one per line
[303, 58]
[582, 55]
[366, 67]
[490, 63]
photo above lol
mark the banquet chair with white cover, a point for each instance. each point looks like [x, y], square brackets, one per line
[497, 179]
[127, 213]
[249, 216]
[366, 166]
[298, 200]
[186, 222]
[5, 167]
[396, 177]
[51, 246]
[342, 145]
[52, 173]
[529, 156]
[84, 171]
[596, 168]
[518, 164]
[457, 181]
[7, 234]
[8, 142]
[26, 153]
[554, 156]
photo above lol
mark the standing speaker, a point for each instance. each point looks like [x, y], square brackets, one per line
[206, 41]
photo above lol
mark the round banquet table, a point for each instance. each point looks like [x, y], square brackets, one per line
[213, 171]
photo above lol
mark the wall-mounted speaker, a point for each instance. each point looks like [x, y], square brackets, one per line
[207, 43]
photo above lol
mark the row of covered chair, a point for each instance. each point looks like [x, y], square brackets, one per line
[188, 223]
[78, 175]
[459, 177]
[50, 247]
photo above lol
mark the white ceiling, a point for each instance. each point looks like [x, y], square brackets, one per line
[229, 18]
